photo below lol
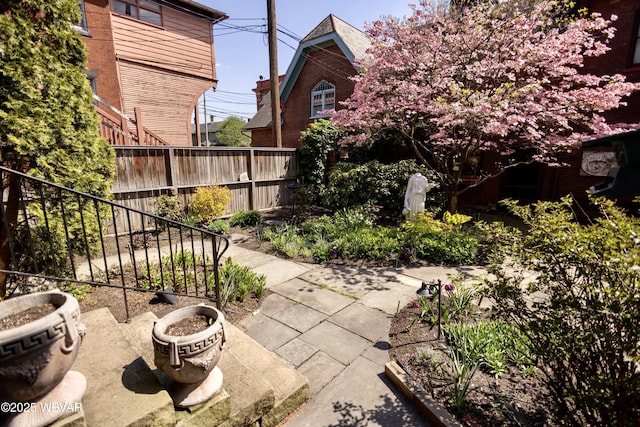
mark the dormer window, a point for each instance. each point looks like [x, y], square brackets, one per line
[323, 97]
[144, 10]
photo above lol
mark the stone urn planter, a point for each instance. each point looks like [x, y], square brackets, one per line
[190, 360]
[39, 341]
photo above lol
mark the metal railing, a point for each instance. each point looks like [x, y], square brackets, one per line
[59, 234]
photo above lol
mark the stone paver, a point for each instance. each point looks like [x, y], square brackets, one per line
[379, 352]
[274, 304]
[320, 369]
[389, 301]
[279, 271]
[272, 334]
[429, 274]
[323, 300]
[364, 321]
[336, 341]
[251, 259]
[338, 279]
[256, 318]
[296, 351]
[300, 317]
[332, 323]
[339, 403]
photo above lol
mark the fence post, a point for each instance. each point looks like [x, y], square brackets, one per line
[170, 161]
[139, 126]
[252, 178]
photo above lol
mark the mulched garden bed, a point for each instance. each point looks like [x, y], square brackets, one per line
[509, 400]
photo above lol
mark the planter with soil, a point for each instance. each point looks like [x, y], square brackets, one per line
[187, 345]
[40, 335]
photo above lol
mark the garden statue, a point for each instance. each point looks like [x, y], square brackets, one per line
[415, 196]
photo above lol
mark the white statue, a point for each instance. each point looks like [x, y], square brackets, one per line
[415, 196]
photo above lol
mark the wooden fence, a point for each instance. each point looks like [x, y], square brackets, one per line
[259, 178]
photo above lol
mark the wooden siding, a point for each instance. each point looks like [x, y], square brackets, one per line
[164, 99]
[145, 173]
[184, 44]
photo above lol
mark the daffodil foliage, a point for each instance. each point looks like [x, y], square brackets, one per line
[456, 83]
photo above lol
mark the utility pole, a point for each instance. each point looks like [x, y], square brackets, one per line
[276, 130]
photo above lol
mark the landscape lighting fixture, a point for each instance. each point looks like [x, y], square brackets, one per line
[426, 290]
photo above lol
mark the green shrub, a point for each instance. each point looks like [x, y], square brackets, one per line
[579, 309]
[368, 243]
[316, 142]
[219, 226]
[168, 207]
[246, 219]
[49, 127]
[445, 247]
[352, 234]
[209, 203]
[285, 239]
[375, 183]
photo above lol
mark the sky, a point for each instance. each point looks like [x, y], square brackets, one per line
[241, 46]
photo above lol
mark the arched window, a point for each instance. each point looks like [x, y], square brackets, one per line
[323, 97]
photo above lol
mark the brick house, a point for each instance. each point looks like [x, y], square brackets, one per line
[589, 167]
[322, 53]
[317, 79]
[151, 60]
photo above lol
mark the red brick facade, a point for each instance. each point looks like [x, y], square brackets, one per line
[550, 183]
[101, 51]
[328, 64]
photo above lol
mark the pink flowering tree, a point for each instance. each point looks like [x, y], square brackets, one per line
[488, 78]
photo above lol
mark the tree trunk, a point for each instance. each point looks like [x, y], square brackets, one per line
[452, 190]
[453, 201]
[7, 230]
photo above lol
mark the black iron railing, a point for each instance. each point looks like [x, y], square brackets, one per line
[58, 234]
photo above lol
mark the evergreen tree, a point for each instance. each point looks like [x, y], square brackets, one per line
[48, 126]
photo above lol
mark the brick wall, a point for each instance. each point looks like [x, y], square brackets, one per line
[101, 52]
[618, 60]
[326, 64]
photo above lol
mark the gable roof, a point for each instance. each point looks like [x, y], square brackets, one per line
[262, 119]
[212, 127]
[332, 30]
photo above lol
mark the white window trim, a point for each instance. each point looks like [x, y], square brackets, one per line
[323, 88]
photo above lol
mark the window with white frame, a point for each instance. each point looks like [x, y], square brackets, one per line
[144, 10]
[323, 97]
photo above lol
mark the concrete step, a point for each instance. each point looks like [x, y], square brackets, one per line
[251, 359]
[261, 386]
[214, 412]
[121, 389]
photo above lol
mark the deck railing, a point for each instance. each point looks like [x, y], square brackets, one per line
[58, 234]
